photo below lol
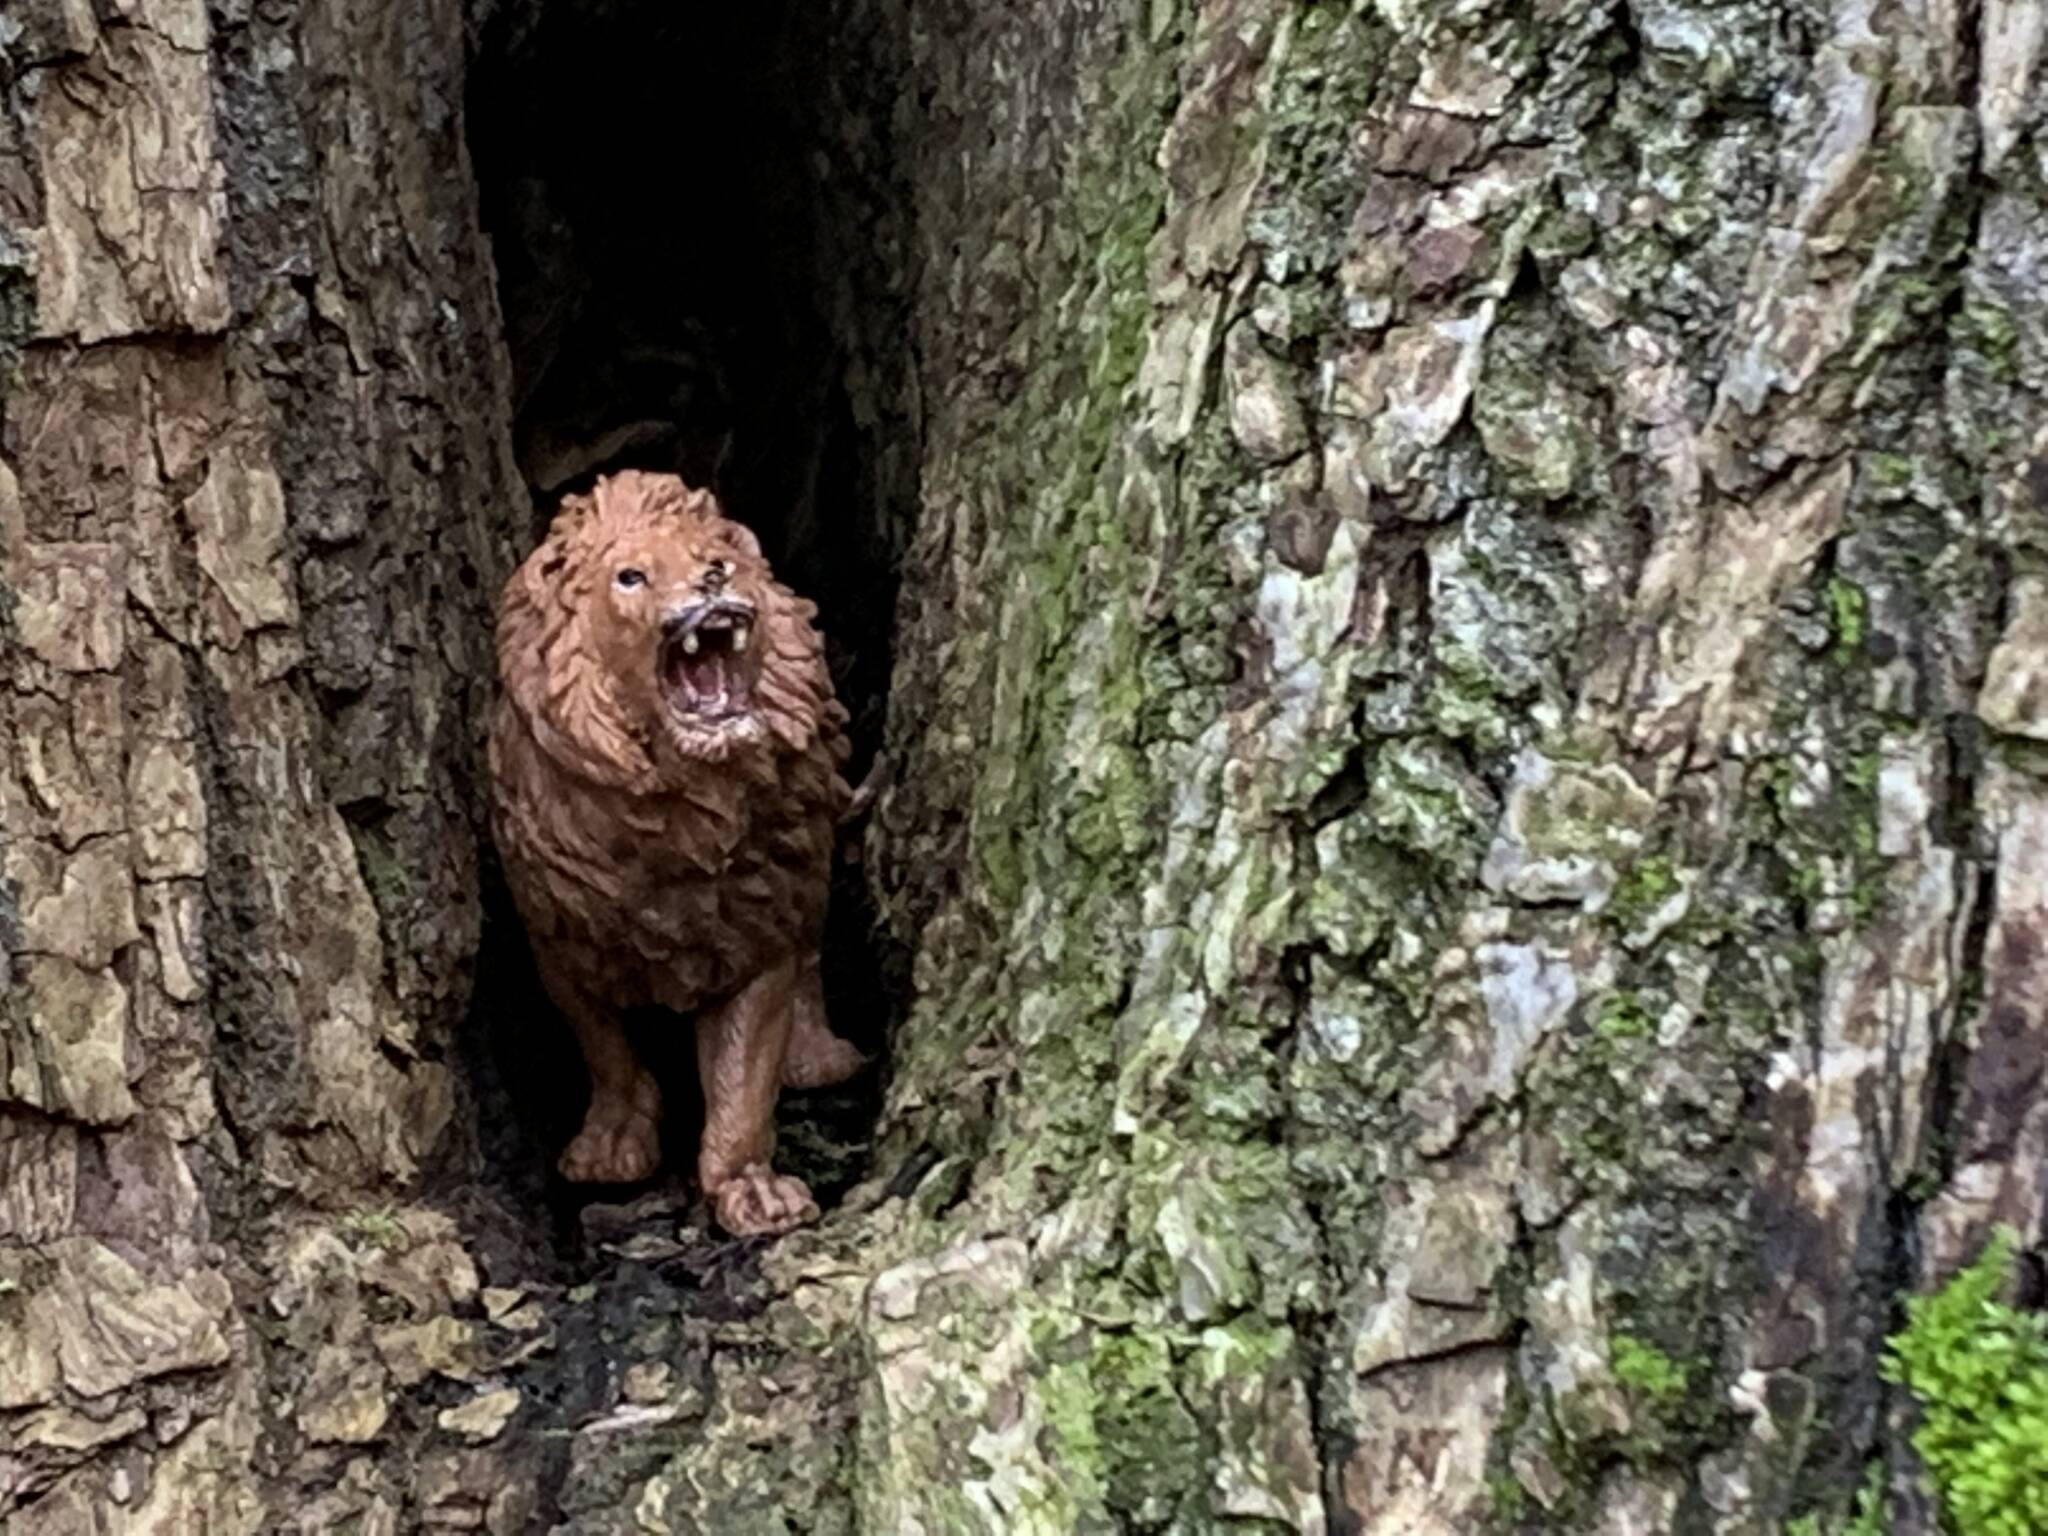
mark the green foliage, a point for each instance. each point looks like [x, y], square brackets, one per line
[1866, 1519]
[1645, 1369]
[1869, 1519]
[1979, 1370]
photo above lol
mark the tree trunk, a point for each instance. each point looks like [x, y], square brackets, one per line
[258, 498]
[1463, 825]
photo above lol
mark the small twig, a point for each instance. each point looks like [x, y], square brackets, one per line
[870, 789]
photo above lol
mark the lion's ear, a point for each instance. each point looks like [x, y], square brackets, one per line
[570, 512]
[743, 536]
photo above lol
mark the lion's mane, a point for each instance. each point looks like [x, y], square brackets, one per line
[645, 876]
[554, 678]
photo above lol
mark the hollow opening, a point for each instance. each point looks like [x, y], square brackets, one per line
[701, 252]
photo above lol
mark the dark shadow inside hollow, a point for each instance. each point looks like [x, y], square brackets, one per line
[701, 262]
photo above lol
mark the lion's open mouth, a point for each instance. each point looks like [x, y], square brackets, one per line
[704, 670]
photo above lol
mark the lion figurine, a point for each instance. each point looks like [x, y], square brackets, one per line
[666, 757]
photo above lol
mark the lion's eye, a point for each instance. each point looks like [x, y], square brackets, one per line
[631, 577]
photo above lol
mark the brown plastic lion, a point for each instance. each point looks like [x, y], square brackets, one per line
[665, 756]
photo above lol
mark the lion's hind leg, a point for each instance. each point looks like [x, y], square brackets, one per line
[620, 1142]
[816, 1058]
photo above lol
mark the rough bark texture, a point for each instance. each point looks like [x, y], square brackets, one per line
[257, 499]
[1466, 800]
[1452, 755]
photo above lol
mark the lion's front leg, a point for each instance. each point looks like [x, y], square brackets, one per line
[620, 1142]
[740, 1048]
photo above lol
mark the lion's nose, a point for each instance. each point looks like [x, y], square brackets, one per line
[686, 614]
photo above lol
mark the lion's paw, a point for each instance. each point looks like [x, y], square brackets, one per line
[617, 1145]
[758, 1202]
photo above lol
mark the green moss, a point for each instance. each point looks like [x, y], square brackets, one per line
[1921, 296]
[1067, 1396]
[1988, 330]
[1646, 1370]
[1116, 1427]
[385, 875]
[1505, 1497]
[1849, 608]
[1420, 798]
[376, 1225]
[17, 311]
[1823, 819]
[1597, 1141]
[1312, 155]
[1069, 546]
[1153, 1448]
[1644, 887]
[1532, 428]
[1622, 1017]
[1462, 700]
[1978, 1368]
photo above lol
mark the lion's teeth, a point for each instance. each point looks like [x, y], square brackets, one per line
[690, 643]
[739, 637]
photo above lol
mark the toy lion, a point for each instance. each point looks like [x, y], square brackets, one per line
[665, 757]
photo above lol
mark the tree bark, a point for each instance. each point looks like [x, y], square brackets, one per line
[1473, 645]
[257, 497]
[1464, 793]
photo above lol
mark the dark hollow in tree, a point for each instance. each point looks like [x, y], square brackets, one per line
[676, 277]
